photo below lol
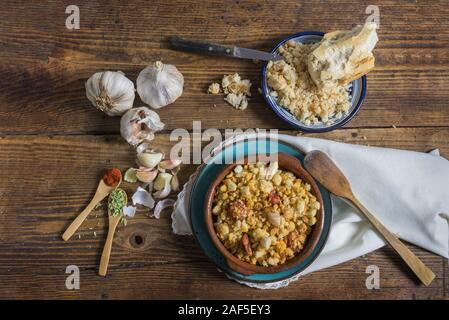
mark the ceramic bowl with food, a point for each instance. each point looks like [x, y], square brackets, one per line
[309, 109]
[264, 218]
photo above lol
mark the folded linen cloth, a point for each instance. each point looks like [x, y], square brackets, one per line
[407, 191]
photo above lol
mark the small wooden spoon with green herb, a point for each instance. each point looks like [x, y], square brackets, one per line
[116, 201]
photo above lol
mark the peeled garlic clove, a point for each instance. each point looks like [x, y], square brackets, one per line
[266, 242]
[160, 84]
[131, 175]
[271, 170]
[111, 92]
[139, 124]
[146, 176]
[274, 218]
[149, 159]
[169, 164]
[163, 179]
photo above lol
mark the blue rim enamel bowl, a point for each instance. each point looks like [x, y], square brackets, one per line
[357, 92]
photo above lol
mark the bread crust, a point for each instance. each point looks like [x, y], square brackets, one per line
[343, 56]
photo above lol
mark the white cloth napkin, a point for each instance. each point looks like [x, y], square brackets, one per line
[407, 191]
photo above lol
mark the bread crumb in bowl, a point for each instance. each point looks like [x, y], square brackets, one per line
[293, 88]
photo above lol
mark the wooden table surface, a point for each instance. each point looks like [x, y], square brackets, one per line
[54, 144]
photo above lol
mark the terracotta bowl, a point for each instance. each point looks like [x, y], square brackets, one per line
[288, 163]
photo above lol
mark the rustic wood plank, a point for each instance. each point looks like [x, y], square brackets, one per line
[44, 65]
[49, 179]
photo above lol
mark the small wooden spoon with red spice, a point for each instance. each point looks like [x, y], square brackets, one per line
[112, 177]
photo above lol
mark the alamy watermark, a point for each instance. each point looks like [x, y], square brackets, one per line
[373, 14]
[73, 20]
[223, 148]
[72, 282]
[373, 280]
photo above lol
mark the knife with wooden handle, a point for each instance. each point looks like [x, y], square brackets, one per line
[222, 50]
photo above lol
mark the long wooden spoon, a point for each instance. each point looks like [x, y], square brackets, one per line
[322, 168]
[102, 192]
[113, 223]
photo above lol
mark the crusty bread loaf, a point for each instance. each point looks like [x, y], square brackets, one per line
[343, 56]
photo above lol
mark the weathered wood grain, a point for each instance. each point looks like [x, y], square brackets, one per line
[44, 65]
[54, 145]
[48, 180]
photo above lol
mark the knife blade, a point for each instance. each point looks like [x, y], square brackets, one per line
[245, 53]
[222, 50]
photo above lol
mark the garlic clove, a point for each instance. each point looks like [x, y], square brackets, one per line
[271, 170]
[274, 218]
[142, 168]
[130, 175]
[266, 242]
[146, 176]
[139, 125]
[169, 164]
[149, 159]
[174, 183]
[110, 92]
[163, 193]
[160, 84]
[163, 179]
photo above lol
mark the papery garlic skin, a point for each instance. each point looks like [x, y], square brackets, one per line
[139, 124]
[110, 92]
[161, 205]
[160, 84]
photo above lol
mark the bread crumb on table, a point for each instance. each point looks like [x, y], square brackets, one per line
[238, 101]
[214, 88]
[234, 84]
[237, 90]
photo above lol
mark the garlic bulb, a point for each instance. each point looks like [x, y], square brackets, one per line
[160, 84]
[140, 124]
[111, 92]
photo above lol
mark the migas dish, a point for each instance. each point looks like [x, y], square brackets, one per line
[287, 163]
[357, 91]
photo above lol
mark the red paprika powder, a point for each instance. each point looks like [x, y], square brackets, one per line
[112, 177]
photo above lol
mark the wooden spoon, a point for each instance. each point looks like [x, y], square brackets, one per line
[113, 223]
[102, 192]
[322, 168]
